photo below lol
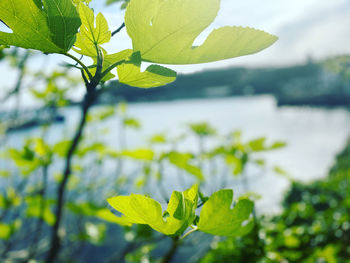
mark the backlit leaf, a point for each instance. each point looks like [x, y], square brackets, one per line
[217, 217]
[49, 25]
[91, 34]
[140, 209]
[164, 32]
[130, 73]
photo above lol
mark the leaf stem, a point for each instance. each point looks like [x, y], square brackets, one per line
[104, 73]
[194, 229]
[80, 63]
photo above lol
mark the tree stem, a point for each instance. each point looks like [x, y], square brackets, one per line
[55, 243]
[171, 253]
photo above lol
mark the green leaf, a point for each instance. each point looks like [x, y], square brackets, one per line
[236, 164]
[202, 129]
[183, 161]
[132, 123]
[7, 230]
[25, 160]
[91, 35]
[34, 210]
[140, 209]
[89, 209]
[49, 25]
[217, 217]
[108, 216]
[111, 59]
[63, 20]
[76, 2]
[259, 144]
[61, 148]
[139, 154]
[164, 32]
[130, 73]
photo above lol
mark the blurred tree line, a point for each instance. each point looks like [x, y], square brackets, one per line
[320, 83]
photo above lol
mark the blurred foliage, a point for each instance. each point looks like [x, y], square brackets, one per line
[339, 65]
[314, 225]
[28, 200]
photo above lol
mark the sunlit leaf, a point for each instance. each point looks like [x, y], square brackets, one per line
[130, 73]
[49, 25]
[92, 34]
[164, 32]
[140, 209]
[217, 217]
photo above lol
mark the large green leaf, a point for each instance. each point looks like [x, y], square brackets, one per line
[164, 32]
[140, 209]
[48, 25]
[217, 217]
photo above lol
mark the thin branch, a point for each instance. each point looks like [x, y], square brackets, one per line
[18, 85]
[118, 30]
[80, 63]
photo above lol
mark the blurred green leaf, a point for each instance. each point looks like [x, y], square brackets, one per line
[139, 154]
[132, 123]
[202, 129]
[7, 230]
[34, 206]
[183, 161]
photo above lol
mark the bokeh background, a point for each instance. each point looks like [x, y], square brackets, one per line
[281, 116]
